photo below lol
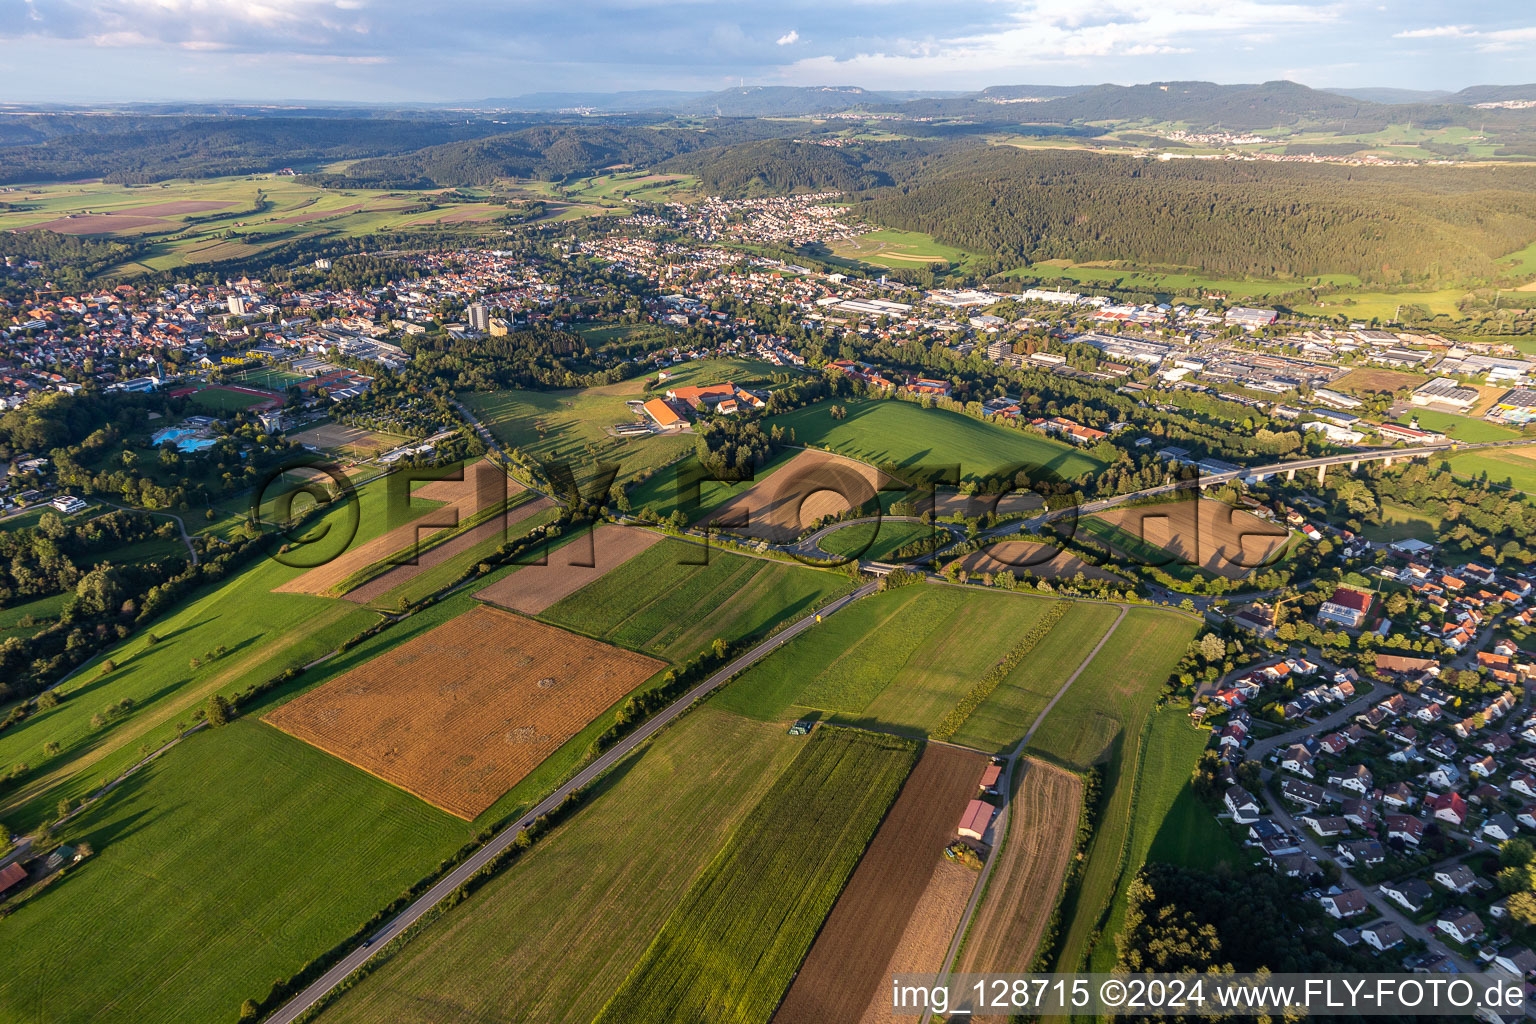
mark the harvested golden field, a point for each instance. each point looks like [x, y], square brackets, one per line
[534, 588]
[458, 715]
[483, 485]
[786, 504]
[846, 968]
[925, 941]
[497, 526]
[1027, 873]
[1022, 557]
[1220, 539]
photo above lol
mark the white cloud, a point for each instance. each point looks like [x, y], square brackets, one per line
[1034, 33]
[1495, 41]
[789, 37]
[1438, 32]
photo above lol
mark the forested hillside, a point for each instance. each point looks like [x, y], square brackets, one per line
[546, 152]
[136, 150]
[1387, 225]
[778, 166]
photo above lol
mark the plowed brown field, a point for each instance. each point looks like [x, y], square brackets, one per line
[533, 588]
[787, 503]
[460, 714]
[1026, 879]
[481, 487]
[1220, 538]
[925, 941]
[847, 964]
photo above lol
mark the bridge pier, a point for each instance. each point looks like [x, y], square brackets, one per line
[1387, 462]
[1290, 474]
[1322, 471]
[1354, 467]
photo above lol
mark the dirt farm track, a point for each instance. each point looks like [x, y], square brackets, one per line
[458, 715]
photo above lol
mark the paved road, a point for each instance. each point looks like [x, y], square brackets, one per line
[504, 839]
[1000, 823]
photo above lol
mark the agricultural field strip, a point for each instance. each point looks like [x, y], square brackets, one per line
[504, 839]
[844, 969]
[459, 715]
[734, 942]
[1027, 883]
[1003, 815]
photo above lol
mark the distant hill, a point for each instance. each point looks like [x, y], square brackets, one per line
[1386, 95]
[1494, 93]
[607, 102]
[548, 152]
[782, 100]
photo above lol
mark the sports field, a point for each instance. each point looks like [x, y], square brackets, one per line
[352, 442]
[1104, 718]
[664, 603]
[1515, 467]
[732, 944]
[461, 714]
[552, 937]
[893, 432]
[229, 863]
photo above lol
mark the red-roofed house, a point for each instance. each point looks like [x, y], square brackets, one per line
[1347, 607]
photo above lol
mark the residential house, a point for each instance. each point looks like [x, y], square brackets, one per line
[1413, 894]
[1242, 805]
[1305, 793]
[1447, 807]
[1405, 827]
[1347, 903]
[1355, 779]
[1460, 924]
[1382, 936]
[1459, 879]
[1498, 829]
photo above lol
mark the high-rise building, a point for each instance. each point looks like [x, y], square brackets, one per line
[237, 305]
[479, 317]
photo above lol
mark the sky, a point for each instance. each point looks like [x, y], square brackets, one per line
[392, 51]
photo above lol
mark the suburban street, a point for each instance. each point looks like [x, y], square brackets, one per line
[504, 839]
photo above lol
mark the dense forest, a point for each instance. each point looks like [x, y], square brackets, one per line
[1180, 920]
[546, 152]
[136, 150]
[1386, 225]
[779, 166]
[69, 261]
